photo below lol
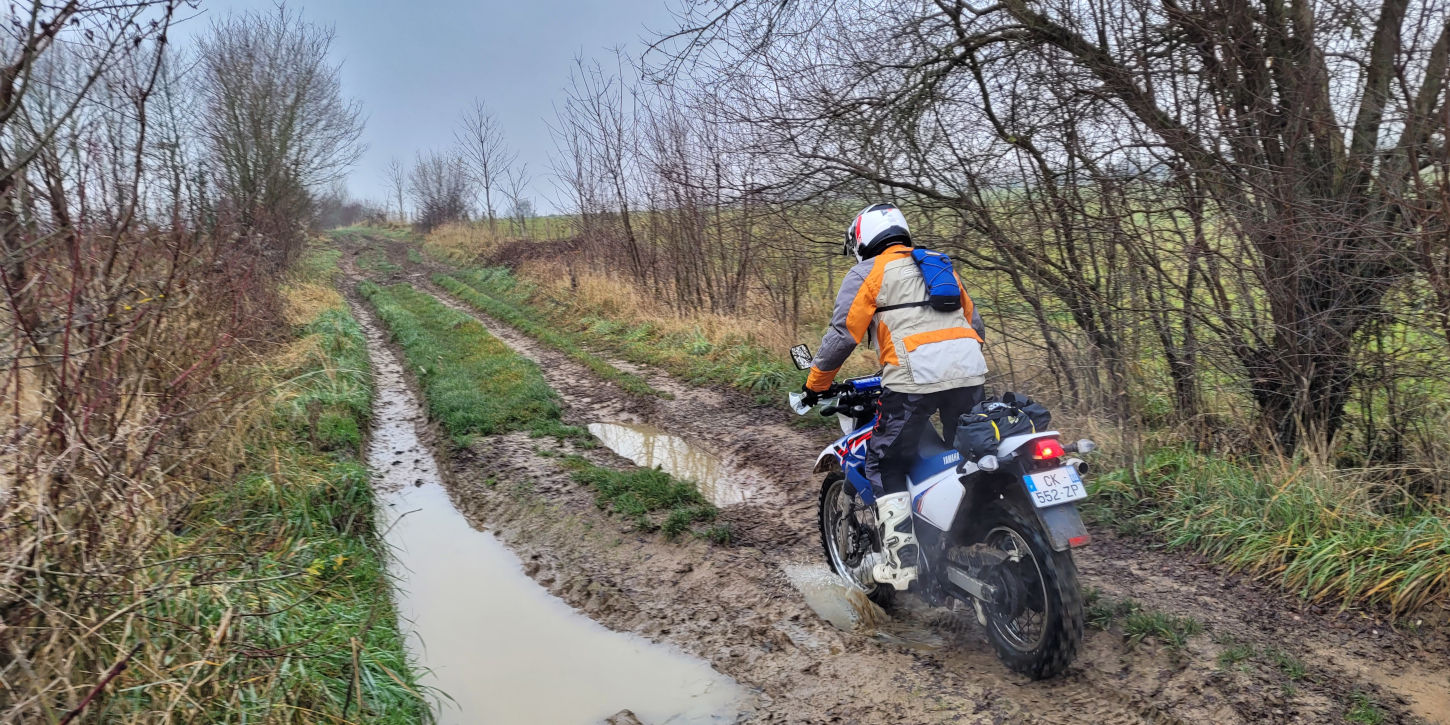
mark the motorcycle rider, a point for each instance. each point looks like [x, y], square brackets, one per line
[931, 362]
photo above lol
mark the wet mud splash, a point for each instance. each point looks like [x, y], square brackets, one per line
[495, 645]
[651, 447]
[849, 609]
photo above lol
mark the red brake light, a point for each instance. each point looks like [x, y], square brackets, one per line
[1044, 449]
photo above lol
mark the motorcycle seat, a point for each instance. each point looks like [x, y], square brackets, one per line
[931, 444]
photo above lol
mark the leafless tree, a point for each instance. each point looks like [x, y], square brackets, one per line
[515, 190]
[1243, 181]
[275, 118]
[599, 122]
[489, 159]
[397, 180]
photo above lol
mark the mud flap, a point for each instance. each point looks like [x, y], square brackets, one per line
[1064, 526]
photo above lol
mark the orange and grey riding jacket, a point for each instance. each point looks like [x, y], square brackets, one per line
[921, 349]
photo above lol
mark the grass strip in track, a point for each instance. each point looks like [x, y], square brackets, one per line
[736, 362]
[1138, 622]
[474, 384]
[651, 498]
[522, 318]
[1321, 541]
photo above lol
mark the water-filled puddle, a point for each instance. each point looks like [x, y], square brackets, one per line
[651, 447]
[505, 650]
[848, 608]
[500, 646]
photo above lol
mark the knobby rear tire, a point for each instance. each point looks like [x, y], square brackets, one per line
[1063, 617]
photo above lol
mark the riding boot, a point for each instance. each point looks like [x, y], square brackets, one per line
[897, 566]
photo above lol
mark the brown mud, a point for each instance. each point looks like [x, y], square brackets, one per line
[736, 606]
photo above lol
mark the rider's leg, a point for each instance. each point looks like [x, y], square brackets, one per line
[889, 455]
[953, 403]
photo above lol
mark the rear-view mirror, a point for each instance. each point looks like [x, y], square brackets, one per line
[801, 356]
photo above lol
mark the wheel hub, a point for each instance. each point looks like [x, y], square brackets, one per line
[1010, 596]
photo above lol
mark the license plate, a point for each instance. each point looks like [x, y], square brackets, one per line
[1060, 485]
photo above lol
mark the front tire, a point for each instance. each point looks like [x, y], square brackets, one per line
[1035, 622]
[846, 529]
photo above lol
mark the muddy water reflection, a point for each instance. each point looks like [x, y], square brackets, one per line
[506, 651]
[848, 608]
[501, 647]
[649, 447]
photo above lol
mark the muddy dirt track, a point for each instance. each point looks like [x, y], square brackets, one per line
[735, 606]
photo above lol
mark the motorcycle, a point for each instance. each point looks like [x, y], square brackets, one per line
[994, 532]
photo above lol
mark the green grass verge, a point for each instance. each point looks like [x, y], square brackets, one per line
[331, 409]
[282, 568]
[526, 322]
[1317, 541]
[737, 363]
[473, 383]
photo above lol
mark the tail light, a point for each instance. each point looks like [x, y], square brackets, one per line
[1046, 449]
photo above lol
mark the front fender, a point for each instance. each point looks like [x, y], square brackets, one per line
[828, 461]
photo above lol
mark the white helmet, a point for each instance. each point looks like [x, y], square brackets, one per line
[874, 229]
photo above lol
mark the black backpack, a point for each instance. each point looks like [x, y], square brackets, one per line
[992, 420]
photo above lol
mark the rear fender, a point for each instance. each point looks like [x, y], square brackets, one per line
[1062, 524]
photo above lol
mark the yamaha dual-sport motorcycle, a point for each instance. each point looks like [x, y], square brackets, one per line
[995, 533]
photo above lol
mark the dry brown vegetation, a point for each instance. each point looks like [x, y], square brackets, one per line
[1222, 217]
[142, 333]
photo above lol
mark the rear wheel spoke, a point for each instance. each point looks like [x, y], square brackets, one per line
[1020, 612]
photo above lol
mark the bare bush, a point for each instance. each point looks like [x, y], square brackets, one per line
[439, 185]
[133, 299]
[336, 208]
[117, 324]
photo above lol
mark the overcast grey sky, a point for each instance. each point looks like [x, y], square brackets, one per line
[416, 65]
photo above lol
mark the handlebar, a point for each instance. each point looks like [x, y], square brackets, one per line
[847, 394]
